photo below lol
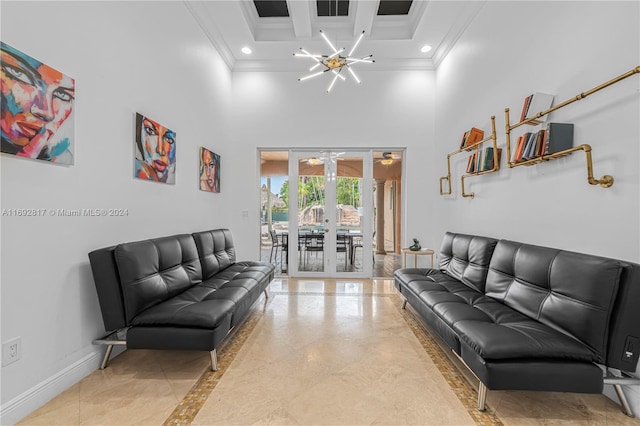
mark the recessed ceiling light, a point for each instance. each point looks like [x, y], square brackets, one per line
[425, 48]
[246, 50]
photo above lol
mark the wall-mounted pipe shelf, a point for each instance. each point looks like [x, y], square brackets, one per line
[606, 180]
[476, 146]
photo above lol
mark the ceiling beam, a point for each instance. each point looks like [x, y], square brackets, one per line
[300, 12]
[365, 14]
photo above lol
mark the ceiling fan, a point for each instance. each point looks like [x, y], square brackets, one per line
[324, 156]
[388, 158]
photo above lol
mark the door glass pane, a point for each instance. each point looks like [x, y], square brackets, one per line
[274, 216]
[349, 211]
[311, 214]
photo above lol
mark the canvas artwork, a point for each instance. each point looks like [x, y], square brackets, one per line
[155, 151]
[209, 170]
[37, 108]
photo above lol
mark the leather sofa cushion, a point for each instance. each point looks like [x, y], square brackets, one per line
[492, 329]
[206, 304]
[518, 339]
[569, 292]
[240, 272]
[216, 251]
[183, 311]
[466, 258]
[152, 271]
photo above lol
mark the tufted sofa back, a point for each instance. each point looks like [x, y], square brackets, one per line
[573, 293]
[216, 251]
[466, 258]
[155, 270]
[134, 276]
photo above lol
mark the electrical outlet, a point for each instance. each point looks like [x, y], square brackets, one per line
[11, 351]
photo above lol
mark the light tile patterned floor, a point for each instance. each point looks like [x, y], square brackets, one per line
[317, 352]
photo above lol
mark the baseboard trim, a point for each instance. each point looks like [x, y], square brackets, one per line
[22, 405]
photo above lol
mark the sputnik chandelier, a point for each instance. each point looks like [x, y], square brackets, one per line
[334, 63]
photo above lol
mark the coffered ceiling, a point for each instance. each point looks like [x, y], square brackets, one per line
[395, 30]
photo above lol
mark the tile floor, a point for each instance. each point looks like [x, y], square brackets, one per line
[316, 352]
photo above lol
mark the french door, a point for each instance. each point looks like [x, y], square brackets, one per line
[330, 214]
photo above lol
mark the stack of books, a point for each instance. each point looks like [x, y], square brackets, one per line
[471, 137]
[554, 138]
[482, 160]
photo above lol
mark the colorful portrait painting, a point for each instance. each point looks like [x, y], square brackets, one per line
[155, 151]
[37, 108]
[209, 170]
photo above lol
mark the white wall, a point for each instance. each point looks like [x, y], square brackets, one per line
[126, 57]
[152, 58]
[502, 58]
[389, 109]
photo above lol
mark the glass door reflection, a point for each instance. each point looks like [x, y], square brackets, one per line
[311, 213]
[328, 196]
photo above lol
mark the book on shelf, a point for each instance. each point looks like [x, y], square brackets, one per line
[534, 104]
[517, 152]
[470, 163]
[488, 160]
[525, 107]
[464, 139]
[559, 137]
[471, 137]
[531, 140]
[540, 142]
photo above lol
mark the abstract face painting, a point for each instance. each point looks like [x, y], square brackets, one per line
[155, 151]
[37, 108]
[209, 170]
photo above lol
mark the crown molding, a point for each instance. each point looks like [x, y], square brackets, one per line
[455, 32]
[196, 9]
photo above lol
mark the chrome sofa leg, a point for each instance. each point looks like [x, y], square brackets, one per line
[404, 304]
[105, 360]
[214, 360]
[266, 293]
[618, 381]
[623, 400]
[482, 397]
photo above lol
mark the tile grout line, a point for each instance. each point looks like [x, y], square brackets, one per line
[464, 391]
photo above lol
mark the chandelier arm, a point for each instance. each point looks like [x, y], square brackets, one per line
[335, 54]
[307, 54]
[353, 74]
[328, 42]
[356, 43]
[365, 59]
[338, 74]
[332, 82]
[312, 75]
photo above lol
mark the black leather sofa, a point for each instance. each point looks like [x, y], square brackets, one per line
[177, 292]
[524, 317]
